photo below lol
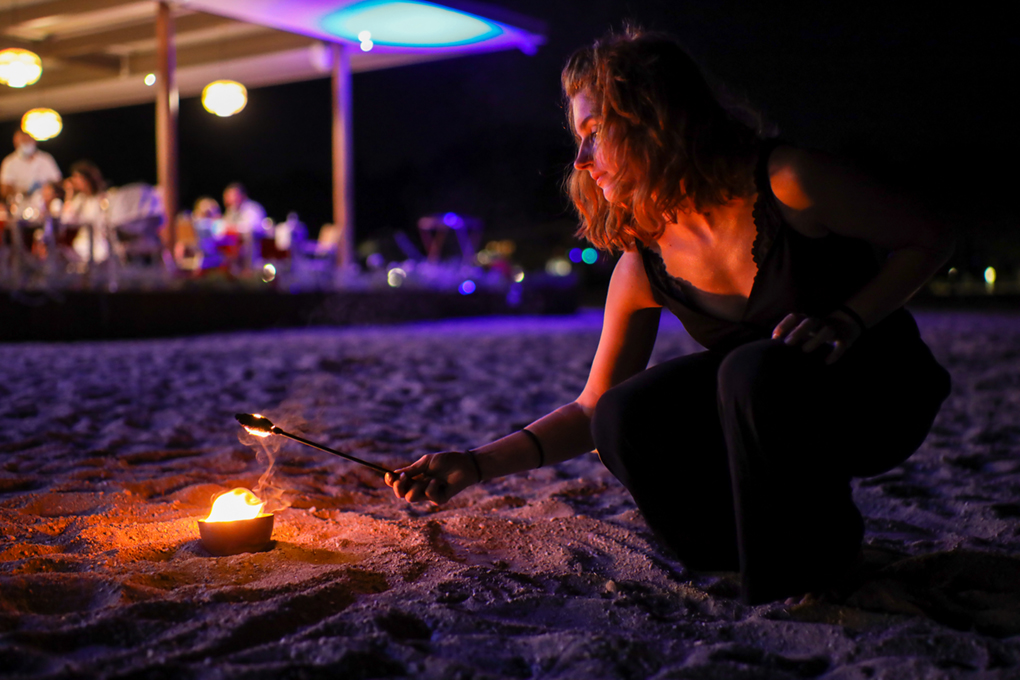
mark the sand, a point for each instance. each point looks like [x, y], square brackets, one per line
[110, 452]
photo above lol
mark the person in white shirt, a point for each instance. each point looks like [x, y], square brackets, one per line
[27, 169]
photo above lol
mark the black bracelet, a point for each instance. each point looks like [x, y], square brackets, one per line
[478, 468]
[538, 445]
[854, 316]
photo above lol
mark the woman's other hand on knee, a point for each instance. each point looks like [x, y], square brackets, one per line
[812, 332]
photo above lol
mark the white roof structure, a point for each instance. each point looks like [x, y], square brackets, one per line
[96, 53]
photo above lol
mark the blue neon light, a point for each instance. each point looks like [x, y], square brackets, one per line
[409, 23]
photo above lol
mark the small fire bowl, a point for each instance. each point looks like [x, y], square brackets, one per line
[238, 536]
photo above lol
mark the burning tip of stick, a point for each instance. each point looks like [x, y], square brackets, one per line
[255, 423]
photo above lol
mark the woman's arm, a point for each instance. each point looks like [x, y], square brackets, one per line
[818, 195]
[629, 328]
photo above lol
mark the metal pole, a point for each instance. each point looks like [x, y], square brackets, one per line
[167, 101]
[343, 155]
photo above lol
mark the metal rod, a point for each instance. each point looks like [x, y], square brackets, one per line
[261, 426]
[377, 468]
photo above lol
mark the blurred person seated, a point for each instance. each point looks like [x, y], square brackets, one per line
[83, 208]
[27, 169]
[45, 205]
[242, 220]
[206, 222]
[31, 221]
[242, 215]
[50, 199]
[206, 208]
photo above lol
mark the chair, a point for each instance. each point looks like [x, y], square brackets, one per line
[134, 214]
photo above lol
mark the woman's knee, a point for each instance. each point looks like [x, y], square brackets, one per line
[618, 415]
[761, 370]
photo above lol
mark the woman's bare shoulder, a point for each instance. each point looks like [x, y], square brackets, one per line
[629, 286]
[793, 176]
[789, 170]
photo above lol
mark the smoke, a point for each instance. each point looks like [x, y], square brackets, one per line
[267, 449]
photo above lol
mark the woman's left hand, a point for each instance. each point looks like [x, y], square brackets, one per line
[811, 332]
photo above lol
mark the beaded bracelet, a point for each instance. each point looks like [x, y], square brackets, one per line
[538, 445]
[478, 468]
[854, 316]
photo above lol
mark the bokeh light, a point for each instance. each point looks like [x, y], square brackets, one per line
[42, 124]
[407, 23]
[224, 97]
[268, 272]
[19, 67]
[558, 266]
[395, 277]
[467, 287]
[150, 79]
[589, 256]
[575, 255]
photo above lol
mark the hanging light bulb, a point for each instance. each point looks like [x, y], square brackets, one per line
[42, 124]
[224, 97]
[19, 67]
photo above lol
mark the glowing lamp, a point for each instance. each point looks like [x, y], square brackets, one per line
[409, 23]
[19, 67]
[236, 524]
[150, 79]
[42, 124]
[224, 97]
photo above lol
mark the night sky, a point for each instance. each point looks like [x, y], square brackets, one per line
[917, 95]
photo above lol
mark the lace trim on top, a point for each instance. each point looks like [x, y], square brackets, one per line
[672, 283]
[766, 225]
[766, 219]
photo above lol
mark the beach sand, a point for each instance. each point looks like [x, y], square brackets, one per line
[110, 452]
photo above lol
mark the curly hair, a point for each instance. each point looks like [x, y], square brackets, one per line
[676, 147]
[91, 173]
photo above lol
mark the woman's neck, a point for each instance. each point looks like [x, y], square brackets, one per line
[715, 224]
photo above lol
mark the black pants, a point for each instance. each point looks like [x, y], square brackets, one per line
[744, 459]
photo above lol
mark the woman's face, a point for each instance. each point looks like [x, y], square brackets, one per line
[590, 155]
[80, 184]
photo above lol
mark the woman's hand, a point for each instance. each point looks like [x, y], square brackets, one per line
[837, 330]
[437, 477]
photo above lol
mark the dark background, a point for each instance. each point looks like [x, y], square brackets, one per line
[917, 95]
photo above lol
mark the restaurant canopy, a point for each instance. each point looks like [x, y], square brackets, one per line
[96, 54]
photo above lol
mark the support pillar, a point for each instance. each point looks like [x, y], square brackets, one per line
[167, 103]
[343, 155]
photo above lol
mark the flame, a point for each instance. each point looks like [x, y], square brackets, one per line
[255, 431]
[234, 505]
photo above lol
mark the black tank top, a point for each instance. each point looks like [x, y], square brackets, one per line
[796, 273]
